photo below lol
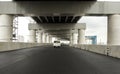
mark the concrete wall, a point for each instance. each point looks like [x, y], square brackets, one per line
[110, 50]
[7, 46]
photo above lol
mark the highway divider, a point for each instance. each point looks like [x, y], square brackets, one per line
[109, 50]
[8, 46]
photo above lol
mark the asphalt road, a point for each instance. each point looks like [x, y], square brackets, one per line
[49, 60]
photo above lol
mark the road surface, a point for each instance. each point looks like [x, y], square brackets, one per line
[63, 60]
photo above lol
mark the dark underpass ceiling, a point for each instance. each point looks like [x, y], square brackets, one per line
[56, 19]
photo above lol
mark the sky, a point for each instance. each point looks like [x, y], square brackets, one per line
[96, 26]
[23, 25]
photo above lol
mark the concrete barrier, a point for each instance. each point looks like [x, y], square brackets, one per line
[110, 50]
[7, 46]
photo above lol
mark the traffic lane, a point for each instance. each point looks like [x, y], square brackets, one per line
[51, 61]
[64, 60]
[10, 57]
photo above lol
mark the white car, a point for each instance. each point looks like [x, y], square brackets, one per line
[56, 44]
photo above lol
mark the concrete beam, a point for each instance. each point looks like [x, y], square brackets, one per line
[63, 34]
[66, 36]
[73, 30]
[62, 37]
[52, 7]
[60, 33]
[58, 26]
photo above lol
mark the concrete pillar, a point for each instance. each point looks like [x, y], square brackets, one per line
[40, 37]
[32, 36]
[113, 30]
[45, 38]
[74, 38]
[50, 39]
[81, 36]
[6, 28]
[71, 42]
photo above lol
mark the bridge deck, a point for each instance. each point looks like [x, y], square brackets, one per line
[49, 60]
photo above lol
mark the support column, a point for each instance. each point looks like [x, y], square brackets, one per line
[6, 28]
[50, 39]
[81, 36]
[45, 38]
[113, 30]
[40, 37]
[71, 42]
[32, 36]
[74, 38]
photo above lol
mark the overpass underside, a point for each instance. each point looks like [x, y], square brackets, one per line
[58, 19]
[54, 16]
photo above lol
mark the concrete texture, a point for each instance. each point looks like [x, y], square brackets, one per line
[49, 60]
[40, 37]
[58, 29]
[74, 38]
[43, 7]
[58, 26]
[8, 46]
[32, 36]
[113, 35]
[6, 28]
[110, 50]
[81, 36]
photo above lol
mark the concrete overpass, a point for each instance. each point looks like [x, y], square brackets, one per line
[64, 12]
[58, 19]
